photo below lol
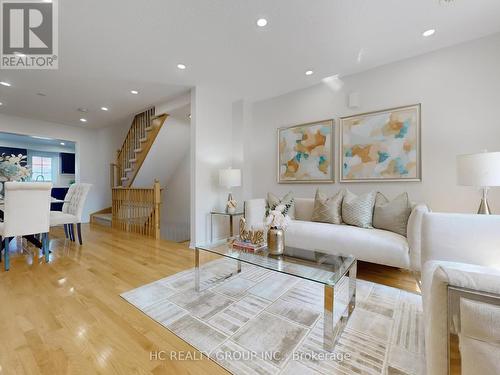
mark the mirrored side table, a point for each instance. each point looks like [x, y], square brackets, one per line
[231, 221]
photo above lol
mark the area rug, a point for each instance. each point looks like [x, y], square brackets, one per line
[264, 322]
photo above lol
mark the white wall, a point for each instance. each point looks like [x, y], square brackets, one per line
[459, 89]
[176, 206]
[95, 149]
[168, 161]
[211, 150]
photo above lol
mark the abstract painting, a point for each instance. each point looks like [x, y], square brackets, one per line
[305, 153]
[381, 146]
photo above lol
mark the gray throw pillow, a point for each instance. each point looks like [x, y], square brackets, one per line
[392, 215]
[328, 209]
[288, 201]
[358, 210]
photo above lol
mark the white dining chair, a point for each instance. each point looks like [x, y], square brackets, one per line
[26, 212]
[72, 211]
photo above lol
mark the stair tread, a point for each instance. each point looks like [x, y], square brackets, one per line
[137, 144]
[106, 217]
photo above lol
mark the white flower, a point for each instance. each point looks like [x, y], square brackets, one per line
[276, 219]
[11, 168]
[280, 208]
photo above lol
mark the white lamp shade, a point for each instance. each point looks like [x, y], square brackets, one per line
[230, 177]
[482, 169]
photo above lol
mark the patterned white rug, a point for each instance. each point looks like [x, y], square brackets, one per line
[263, 322]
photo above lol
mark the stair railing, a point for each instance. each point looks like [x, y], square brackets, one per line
[137, 210]
[126, 154]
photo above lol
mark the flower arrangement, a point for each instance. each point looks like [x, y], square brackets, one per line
[277, 218]
[11, 168]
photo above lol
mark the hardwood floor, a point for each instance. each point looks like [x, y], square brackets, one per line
[67, 316]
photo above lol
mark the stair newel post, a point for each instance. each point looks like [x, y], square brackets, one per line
[157, 204]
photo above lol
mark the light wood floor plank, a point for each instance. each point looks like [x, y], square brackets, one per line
[67, 317]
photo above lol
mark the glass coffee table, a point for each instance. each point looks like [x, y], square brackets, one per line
[316, 266]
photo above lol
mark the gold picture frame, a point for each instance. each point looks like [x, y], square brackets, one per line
[383, 126]
[315, 157]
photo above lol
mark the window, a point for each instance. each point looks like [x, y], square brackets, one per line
[41, 167]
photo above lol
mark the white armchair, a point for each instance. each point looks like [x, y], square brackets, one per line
[26, 212]
[461, 291]
[72, 211]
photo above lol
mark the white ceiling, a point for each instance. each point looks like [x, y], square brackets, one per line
[110, 47]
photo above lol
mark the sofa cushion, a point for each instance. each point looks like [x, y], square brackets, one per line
[304, 208]
[358, 210]
[370, 245]
[392, 215]
[273, 201]
[328, 209]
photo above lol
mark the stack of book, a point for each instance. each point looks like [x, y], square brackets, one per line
[247, 246]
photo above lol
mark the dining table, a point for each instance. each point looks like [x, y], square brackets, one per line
[32, 238]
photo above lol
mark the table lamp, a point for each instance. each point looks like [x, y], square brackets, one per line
[480, 170]
[229, 178]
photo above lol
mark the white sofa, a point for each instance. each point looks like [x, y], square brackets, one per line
[370, 245]
[461, 253]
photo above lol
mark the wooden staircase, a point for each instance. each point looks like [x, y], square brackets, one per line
[140, 137]
[135, 210]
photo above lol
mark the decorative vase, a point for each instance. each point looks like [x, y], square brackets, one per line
[276, 241]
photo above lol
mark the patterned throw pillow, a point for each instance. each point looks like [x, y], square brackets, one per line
[358, 210]
[392, 215]
[273, 201]
[328, 209]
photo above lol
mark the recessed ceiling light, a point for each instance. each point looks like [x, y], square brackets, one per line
[429, 32]
[1, 103]
[261, 22]
[309, 72]
[5, 84]
[83, 110]
[62, 144]
[41, 94]
[83, 120]
[181, 66]
[134, 92]
[104, 109]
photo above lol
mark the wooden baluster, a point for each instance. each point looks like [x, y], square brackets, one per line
[156, 208]
[143, 127]
[137, 210]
